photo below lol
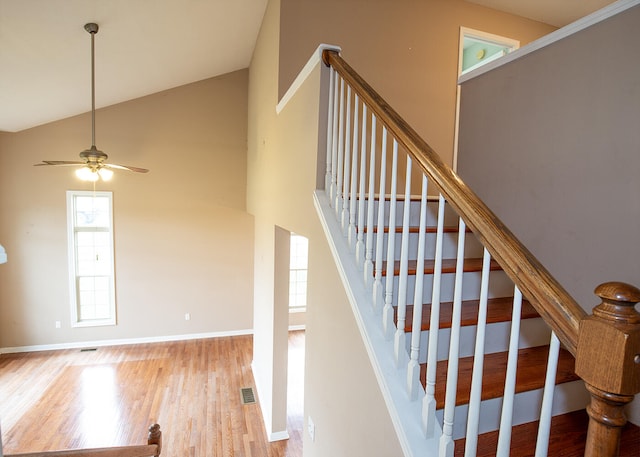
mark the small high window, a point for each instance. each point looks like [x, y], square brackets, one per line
[91, 266]
[299, 251]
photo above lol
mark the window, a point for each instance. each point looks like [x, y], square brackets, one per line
[91, 272]
[480, 48]
[299, 250]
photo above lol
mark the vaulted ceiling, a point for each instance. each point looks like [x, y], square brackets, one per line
[145, 46]
[142, 47]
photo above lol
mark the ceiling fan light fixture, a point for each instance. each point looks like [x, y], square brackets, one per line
[105, 174]
[86, 174]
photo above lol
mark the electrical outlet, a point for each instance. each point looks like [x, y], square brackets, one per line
[58, 324]
[311, 428]
[187, 316]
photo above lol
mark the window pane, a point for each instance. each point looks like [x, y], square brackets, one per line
[93, 253]
[93, 297]
[298, 271]
[92, 211]
[299, 249]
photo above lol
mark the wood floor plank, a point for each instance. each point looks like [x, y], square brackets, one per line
[108, 397]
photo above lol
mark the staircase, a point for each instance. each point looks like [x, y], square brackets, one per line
[472, 340]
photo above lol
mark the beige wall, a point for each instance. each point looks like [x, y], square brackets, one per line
[183, 239]
[406, 49]
[282, 172]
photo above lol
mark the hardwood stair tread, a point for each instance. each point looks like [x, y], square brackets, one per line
[568, 438]
[530, 374]
[498, 310]
[402, 198]
[416, 229]
[448, 266]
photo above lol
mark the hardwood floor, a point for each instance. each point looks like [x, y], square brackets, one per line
[109, 397]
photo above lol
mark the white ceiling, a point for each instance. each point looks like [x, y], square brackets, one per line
[145, 46]
[142, 47]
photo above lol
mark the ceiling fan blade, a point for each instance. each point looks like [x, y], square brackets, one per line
[126, 167]
[59, 163]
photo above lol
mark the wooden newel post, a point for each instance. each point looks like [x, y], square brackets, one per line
[155, 437]
[608, 360]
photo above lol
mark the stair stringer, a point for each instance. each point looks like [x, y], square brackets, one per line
[406, 415]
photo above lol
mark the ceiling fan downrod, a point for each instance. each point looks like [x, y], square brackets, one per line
[93, 28]
[93, 160]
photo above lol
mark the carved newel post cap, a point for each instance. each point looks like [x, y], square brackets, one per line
[618, 302]
[618, 291]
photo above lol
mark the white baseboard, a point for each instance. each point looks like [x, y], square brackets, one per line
[119, 342]
[278, 436]
[293, 328]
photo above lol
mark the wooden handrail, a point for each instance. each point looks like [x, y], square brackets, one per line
[152, 448]
[550, 299]
[123, 451]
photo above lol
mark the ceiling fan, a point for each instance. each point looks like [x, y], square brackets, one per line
[94, 165]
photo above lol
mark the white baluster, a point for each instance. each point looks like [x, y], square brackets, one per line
[387, 312]
[344, 216]
[351, 230]
[413, 370]
[504, 437]
[429, 402]
[327, 176]
[360, 247]
[378, 292]
[446, 440]
[473, 417]
[334, 142]
[544, 428]
[368, 262]
[339, 163]
[400, 342]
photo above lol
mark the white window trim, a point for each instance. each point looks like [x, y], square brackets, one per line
[73, 293]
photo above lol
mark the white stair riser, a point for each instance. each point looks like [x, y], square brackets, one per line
[449, 246]
[450, 218]
[570, 396]
[499, 286]
[533, 332]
